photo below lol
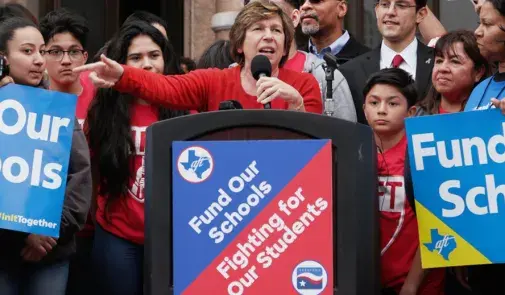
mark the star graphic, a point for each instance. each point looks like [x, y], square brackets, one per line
[302, 283]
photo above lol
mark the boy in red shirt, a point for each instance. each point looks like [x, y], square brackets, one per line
[390, 95]
[65, 35]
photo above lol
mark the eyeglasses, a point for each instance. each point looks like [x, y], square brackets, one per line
[57, 54]
[397, 5]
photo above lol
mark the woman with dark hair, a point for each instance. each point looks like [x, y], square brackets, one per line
[115, 127]
[30, 263]
[216, 56]
[458, 67]
[22, 45]
[491, 39]
[153, 19]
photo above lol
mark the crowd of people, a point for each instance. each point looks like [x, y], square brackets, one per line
[137, 79]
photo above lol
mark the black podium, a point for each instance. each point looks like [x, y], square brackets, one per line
[355, 208]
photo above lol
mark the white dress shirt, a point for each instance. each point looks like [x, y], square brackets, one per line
[409, 55]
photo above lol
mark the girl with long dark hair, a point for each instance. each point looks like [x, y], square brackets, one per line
[116, 127]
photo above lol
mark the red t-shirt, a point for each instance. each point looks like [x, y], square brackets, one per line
[83, 102]
[85, 98]
[296, 63]
[205, 89]
[442, 111]
[399, 237]
[126, 214]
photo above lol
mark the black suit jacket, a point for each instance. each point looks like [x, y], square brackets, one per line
[358, 70]
[351, 49]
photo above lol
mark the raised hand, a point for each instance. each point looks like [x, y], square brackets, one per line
[104, 74]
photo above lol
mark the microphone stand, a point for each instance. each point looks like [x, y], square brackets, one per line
[329, 69]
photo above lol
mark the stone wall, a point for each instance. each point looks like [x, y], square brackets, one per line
[32, 5]
[205, 21]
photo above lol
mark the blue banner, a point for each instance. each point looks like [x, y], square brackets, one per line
[457, 164]
[36, 128]
[253, 217]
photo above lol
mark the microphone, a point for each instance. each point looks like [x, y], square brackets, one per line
[230, 105]
[261, 67]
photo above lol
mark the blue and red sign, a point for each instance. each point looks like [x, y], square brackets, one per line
[253, 217]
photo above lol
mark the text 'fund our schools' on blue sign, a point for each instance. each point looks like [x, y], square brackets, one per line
[458, 169]
[253, 217]
[36, 128]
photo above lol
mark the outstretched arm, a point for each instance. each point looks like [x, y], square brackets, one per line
[188, 91]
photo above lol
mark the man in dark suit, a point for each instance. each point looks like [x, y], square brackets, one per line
[397, 21]
[323, 21]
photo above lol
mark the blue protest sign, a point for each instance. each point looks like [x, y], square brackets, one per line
[36, 128]
[253, 217]
[457, 164]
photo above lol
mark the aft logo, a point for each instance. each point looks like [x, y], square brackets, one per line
[391, 194]
[309, 278]
[195, 164]
[441, 244]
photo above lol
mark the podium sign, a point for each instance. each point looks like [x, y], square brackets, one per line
[458, 175]
[252, 217]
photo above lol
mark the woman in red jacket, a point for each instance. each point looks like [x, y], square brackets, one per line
[260, 28]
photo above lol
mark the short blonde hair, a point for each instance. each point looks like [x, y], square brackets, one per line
[252, 13]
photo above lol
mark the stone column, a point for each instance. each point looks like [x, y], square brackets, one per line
[32, 5]
[198, 34]
[205, 21]
[226, 11]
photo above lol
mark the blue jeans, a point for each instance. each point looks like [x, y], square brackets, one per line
[34, 279]
[118, 265]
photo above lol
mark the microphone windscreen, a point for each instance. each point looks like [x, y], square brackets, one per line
[261, 65]
[230, 105]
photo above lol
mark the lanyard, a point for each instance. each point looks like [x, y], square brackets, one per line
[485, 91]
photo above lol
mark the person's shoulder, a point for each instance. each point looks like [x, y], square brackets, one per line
[353, 63]
[358, 47]
[483, 84]
[291, 76]
[477, 96]
[478, 90]
[312, 59]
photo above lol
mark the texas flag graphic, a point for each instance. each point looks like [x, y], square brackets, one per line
[309, 278]
[257, 219]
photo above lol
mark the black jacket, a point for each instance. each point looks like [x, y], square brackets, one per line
[351, 49]
[75, 208]
[358, 70]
